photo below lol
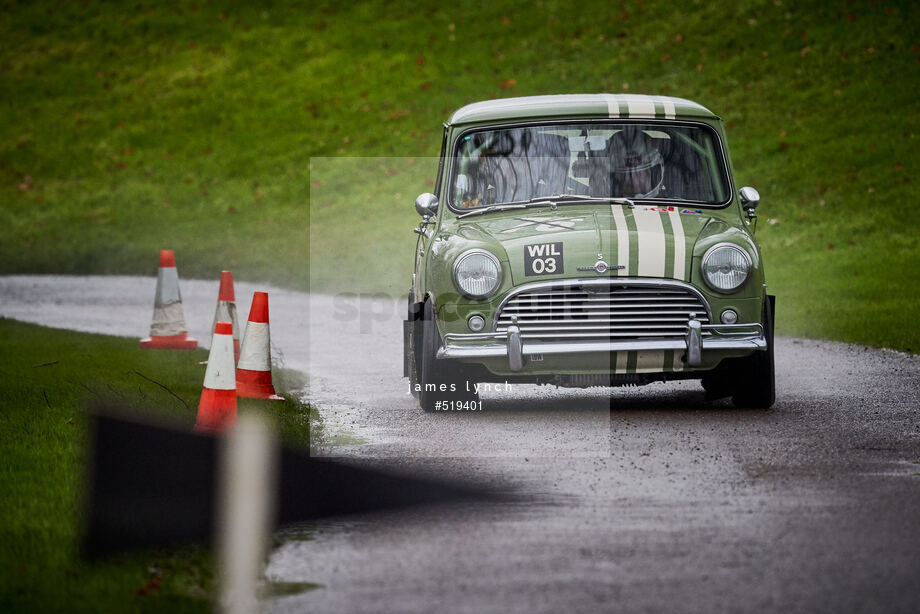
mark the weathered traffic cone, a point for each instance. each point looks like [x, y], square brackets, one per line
[167, 330]
[217, 407]
[254, 372]
[226, 310]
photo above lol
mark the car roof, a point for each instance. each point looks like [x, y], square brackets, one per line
[580, 105]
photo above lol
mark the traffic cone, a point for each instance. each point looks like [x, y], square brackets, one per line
[254, 372]
[168, 331]
[217, 407]
[226, 310]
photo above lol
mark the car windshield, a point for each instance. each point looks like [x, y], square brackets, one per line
[602, 160]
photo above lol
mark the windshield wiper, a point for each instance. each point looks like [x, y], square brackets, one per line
[493, 208]
[549, 201]
[553, 200]
[527, 204]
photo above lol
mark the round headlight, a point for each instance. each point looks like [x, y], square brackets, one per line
[725, 267]
[477, 273]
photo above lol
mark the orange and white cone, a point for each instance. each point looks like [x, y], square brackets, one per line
[167, 330]
[217, 407]
[254, 371]
[226, 310]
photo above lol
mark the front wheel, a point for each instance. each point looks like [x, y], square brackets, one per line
[756, 388]
[436, 383]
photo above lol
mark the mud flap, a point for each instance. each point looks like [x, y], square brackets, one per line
[407, 340]
[772, 299]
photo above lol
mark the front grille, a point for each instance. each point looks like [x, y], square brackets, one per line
[602, 310]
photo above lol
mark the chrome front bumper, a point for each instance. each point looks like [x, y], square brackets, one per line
[694, 342]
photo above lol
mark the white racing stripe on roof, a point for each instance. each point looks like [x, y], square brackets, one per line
[641, 106]
[669, 110]
[613, 106]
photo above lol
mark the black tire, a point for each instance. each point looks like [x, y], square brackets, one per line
[757, 377]
[718, 384]
[433, 372]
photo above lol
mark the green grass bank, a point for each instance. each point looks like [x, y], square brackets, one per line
[128, 127]
[47, 378]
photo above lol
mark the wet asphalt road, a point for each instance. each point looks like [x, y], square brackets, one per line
[636, 499]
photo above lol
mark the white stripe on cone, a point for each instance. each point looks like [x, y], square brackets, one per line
[168, 321]
[168, 317]
[226, 312]
[221, 374]
[255, 354]
[167, 287]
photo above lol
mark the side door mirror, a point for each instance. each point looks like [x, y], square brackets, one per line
[750, 198]
[426, 204]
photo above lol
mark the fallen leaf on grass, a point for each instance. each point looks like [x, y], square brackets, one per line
[152, 585]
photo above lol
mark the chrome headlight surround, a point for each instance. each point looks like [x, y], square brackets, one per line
[725, 267]
[477, 274]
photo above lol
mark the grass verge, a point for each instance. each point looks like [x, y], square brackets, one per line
[132, 127]
[47, 377]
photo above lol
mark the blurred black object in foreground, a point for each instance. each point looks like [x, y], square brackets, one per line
[152, 486]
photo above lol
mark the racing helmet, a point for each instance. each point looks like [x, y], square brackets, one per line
[636, 166]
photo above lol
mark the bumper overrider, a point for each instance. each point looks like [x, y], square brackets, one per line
[693, 333]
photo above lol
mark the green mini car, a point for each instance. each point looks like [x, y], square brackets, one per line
[587, 240]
